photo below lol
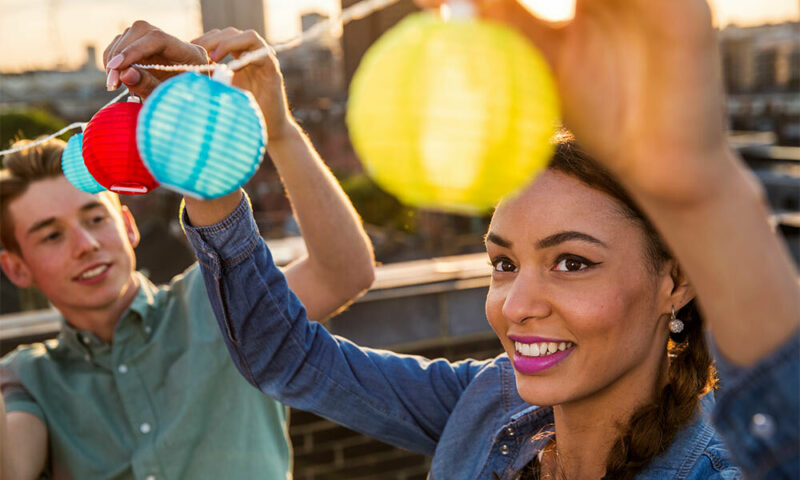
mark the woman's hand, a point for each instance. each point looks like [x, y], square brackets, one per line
[641, 88]
[143, 43]
[262, 77]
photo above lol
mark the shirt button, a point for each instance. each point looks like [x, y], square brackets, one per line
[762, 426]
[505, 450]
[510, 431]
[87, 357]
[150, 477]
[144, 428]
[147, 330]
[86, 340]
[122, 368]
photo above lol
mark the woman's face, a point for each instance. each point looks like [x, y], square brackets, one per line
[573, 297]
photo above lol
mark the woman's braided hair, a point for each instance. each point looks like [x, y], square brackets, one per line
[691, 373]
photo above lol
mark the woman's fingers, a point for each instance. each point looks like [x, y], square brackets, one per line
[545, 35]
[211, 39]
[238, 44]
[145, 43]
[107, 54]
[157, 44]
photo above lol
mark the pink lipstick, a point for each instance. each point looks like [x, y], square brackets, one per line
[534, 355]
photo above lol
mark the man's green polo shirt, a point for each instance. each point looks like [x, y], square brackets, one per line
[163, 401]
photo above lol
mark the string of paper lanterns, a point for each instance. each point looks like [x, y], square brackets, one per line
[450, 115]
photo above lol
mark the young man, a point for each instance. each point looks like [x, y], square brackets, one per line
[139, 383]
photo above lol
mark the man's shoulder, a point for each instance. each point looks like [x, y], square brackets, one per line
[185, 287]
[31, 353]
[183, 283]
[29, 361]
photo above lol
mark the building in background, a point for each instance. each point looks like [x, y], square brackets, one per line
[73, 95]
[358, 35]
[761, 66]
[242, 14]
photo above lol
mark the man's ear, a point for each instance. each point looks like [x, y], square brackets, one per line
[678, 291]
[130, 226]
[16, 269]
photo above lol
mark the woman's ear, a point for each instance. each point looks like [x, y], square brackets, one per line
[678, 290]
[16, 269]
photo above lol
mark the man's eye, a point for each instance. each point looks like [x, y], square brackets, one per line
[98, 218]
[52, 237]
[503, 265]
[572, 263]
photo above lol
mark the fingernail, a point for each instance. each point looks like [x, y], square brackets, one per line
[130, 76]
[114, 62]
[112, 81]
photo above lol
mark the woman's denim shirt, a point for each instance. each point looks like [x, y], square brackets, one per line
[468, 414]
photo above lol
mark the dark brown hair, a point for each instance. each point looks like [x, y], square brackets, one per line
[653, 426]
[23, 168]
[20, 170]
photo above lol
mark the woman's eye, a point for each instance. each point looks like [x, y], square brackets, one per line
[51, 237]
[572, 264]
[503, 265]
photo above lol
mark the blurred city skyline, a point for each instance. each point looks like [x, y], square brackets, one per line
[53, 34]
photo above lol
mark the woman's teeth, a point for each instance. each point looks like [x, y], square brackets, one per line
[541, 349]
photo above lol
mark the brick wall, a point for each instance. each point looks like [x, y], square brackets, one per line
[326, 451]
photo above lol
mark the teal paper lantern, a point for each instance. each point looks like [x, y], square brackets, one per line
[74, 167]
[201, 137]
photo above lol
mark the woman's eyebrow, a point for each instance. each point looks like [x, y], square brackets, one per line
[561, 237]
[497, 239]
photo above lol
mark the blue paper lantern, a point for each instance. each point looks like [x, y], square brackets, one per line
[201, 137]
[75, 169]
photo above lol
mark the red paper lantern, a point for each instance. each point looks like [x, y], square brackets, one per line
[110, 153]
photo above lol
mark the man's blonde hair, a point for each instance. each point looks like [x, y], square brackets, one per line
[20, 170]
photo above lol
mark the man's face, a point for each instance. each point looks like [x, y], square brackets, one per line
[74, 246]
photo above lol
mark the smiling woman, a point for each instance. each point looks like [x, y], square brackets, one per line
[582, 290]
[581, 298]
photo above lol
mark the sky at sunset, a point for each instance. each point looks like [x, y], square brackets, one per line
[54, 33]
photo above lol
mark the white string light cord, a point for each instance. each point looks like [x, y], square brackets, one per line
[354, 12]
[60, 132]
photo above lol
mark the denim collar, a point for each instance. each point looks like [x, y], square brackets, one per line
[536, 425]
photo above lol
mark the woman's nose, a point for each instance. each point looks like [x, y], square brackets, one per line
[526, 299]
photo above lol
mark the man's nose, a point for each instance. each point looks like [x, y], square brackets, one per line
[84, 242]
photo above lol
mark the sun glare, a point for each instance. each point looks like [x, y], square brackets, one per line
[551, 10]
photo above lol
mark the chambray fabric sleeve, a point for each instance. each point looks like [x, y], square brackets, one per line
[399, 399]
[758, 413]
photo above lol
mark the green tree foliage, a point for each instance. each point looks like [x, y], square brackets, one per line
[377, 207]
[28, 123]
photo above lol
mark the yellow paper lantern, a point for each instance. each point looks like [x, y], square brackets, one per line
[452, 115]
